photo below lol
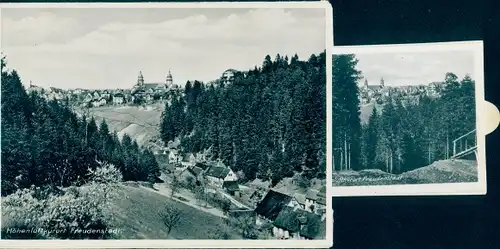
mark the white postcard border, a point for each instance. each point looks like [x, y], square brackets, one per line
[327, 242]
[476, 188]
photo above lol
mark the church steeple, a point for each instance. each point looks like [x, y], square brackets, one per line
[140, 79]
[366, 83]
[382, 82]
[169, 81]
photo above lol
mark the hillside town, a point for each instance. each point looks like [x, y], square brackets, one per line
[141, 92]
[379, 93]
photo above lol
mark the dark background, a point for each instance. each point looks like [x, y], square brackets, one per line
[423, 222]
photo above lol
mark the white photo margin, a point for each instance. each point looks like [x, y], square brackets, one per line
[475, 188]
[326, 243]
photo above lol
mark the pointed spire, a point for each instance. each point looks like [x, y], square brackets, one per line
[169, 81]
[366, 82]
[140, 79]
[382, 82]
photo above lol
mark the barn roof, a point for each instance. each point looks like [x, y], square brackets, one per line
[272, 204]
[217, 172]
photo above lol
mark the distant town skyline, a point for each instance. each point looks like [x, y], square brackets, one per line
[419, 68]
[65, 48]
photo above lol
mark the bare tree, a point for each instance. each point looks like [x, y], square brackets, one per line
[171, 216]
[174, 186]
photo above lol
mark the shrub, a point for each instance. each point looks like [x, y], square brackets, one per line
[65, 215]
[303, 182]
[107, 173]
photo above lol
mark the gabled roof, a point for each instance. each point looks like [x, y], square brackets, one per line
[272, 204]
[312, 194]
[301, 198]
[291, 220]
[196, 171]
[186, 157]
[217, 172]
[231, 185]
[201, 165]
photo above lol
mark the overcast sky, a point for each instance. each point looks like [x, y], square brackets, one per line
[106, 48]
[399, 69]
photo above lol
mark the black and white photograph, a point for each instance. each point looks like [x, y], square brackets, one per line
[202, 124]
[405, 119]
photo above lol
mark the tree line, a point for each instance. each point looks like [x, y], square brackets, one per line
[267, 122]
[403, 135]
[44, 143]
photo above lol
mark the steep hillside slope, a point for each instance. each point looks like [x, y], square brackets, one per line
[136, 214]
[141, 124]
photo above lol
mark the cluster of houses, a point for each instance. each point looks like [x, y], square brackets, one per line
[49, 93]
[199, 168]
[295, 216]
[380, 93]
[141, 92]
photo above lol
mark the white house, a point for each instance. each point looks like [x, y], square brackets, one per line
[315, 200]
[88, 97]
[96, 95]
[99, 102]
[188, 159]
[173, 157]
[217, 175]
[118, 99]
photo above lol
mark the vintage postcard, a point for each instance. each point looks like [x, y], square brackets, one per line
[408, 120]
[181, 125]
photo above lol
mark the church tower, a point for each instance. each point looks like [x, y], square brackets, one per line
[382, 82]
[169, 81]
[140, 79]
[366, 83]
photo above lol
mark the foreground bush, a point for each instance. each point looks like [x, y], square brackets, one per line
[74, 213]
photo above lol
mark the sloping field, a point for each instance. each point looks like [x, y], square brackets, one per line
[136, 214]
[444, 171]
[139, 123]
[288, 186]
[366, 111]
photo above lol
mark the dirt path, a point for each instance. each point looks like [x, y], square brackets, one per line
[191, 201]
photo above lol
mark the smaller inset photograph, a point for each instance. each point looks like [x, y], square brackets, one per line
[407, 120]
